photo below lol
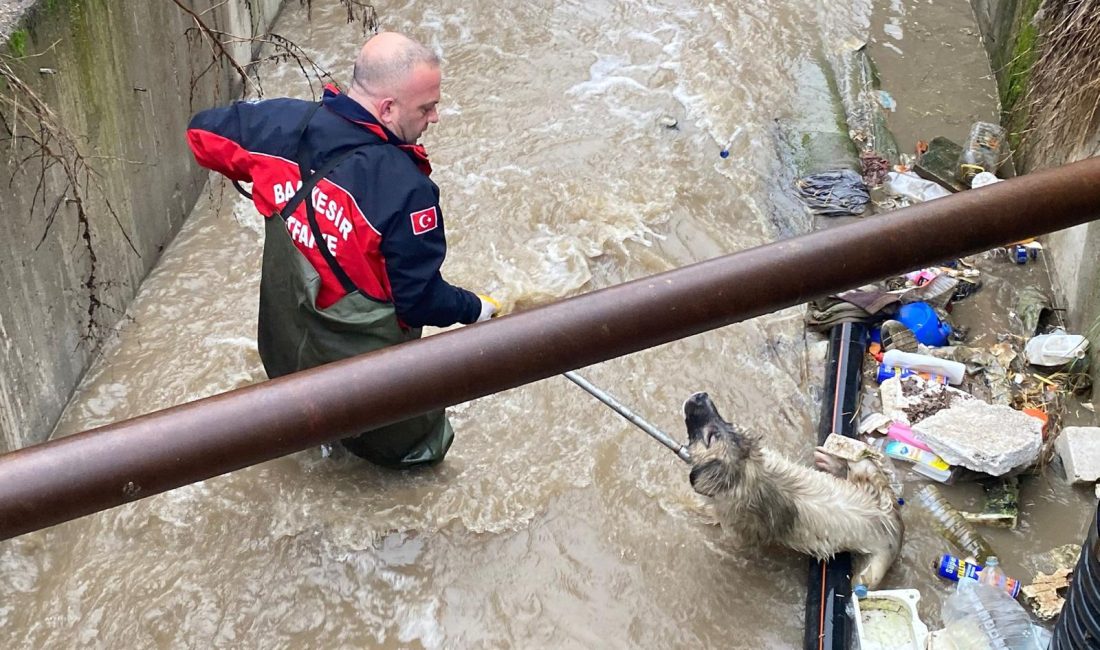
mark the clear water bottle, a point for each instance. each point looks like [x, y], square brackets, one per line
[991, 574]
[982, 151]
[950, 567]
[953, 526]
[981, 616]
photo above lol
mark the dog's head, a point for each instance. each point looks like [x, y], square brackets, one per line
[716, 446]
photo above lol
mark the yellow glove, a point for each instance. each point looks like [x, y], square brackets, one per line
[489, 308]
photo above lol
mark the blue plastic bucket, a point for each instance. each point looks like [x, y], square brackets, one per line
[926, 325]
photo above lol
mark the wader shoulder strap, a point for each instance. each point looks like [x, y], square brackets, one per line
[292, 204]
[304, 155]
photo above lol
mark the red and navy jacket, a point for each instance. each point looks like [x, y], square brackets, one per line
[378, 210]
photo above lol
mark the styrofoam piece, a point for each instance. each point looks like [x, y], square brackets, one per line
[888, 620]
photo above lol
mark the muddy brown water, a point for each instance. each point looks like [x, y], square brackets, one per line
[553, 522]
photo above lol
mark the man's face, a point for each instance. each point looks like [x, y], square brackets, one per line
[415, 108]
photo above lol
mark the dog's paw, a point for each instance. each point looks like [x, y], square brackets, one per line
[827, 462]
[870, 570]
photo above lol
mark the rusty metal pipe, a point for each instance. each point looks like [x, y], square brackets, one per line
[66, 478]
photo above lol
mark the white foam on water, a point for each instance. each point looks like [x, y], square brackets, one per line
[421, 624]
[603, 77]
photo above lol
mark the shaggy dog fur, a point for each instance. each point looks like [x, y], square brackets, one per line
[768, 499]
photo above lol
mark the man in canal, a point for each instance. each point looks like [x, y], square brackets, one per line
[354, 232]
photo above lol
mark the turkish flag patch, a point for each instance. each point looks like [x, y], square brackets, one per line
[424, 220]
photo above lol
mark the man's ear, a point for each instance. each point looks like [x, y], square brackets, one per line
[385, 108]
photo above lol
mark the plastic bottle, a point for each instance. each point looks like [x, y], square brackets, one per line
[992, 574]
[980, 616]
[952, 526]
[982, 151]
[725, 152]
[954, 569]
[885, 372]
[953, 370]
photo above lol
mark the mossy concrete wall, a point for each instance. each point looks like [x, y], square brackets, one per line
[1013, 40]
[121, 79]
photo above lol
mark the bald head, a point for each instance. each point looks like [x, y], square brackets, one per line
[386, 61]
[397, 80]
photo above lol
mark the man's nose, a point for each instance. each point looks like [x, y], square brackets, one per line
[433, 116]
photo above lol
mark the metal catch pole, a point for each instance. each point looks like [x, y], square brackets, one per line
[635, 419]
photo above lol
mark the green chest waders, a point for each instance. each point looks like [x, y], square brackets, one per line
[294, 334]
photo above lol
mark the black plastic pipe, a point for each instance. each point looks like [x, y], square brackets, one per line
[829, 588]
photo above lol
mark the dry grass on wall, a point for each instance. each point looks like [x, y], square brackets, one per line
[1062, 104]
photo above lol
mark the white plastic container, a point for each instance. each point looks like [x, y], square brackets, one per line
[1055, 349]
[913, 187]
[953, 370]
[888, 620]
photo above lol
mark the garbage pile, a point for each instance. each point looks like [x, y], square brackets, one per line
[949, 405]
[947, 409]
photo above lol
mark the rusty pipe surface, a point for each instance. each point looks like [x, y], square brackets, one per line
[63, 479]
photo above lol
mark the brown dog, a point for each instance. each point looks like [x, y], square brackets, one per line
[767, 499]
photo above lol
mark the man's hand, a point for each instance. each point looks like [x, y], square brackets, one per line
[489, 308]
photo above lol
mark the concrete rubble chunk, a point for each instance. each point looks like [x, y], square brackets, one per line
[1079, 448]
[989, 438]
[848, 448]
[912, 399]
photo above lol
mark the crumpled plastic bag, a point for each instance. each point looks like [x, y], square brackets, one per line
[1032, 304]
[837, 193]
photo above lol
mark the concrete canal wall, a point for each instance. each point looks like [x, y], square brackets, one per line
[96, 174]
[1046, 56]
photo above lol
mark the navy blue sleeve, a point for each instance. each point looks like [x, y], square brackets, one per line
[221, 138]
[414, 246]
